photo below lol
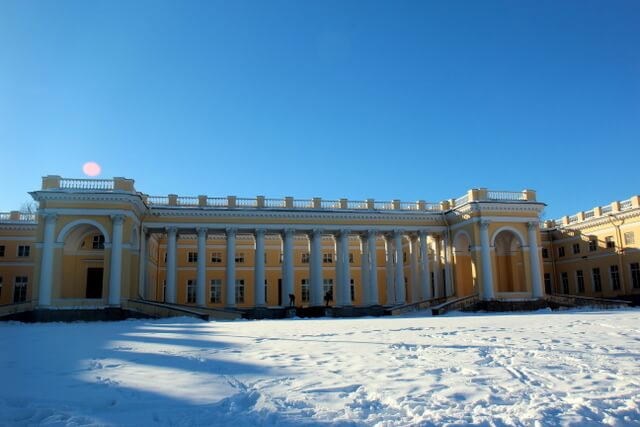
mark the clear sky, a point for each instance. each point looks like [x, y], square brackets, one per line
[358, 99]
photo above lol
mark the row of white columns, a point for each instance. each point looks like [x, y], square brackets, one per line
[420, 275]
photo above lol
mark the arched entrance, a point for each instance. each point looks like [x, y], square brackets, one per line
[509, 275]
[465, 273]
[83, 263]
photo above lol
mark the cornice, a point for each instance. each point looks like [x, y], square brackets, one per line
[15, 226]
[134, 200]
[434, 219]
[604, 220]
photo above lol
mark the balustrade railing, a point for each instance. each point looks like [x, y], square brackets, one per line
[573, 218]
[589, 214]
[86, 184]
[408, 206]
[245, 202]
[274, 203]
[625, 205]
[217, 202]
[506, 195]
[383, 206]
[462, 200]
[158, 200]
[356, 204]
[302, 203]
[17, 217]
[606, 209]
[187, 201]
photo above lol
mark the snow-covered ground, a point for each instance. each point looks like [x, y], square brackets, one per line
[571, 368]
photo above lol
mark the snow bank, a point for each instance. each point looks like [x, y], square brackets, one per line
[572, 368]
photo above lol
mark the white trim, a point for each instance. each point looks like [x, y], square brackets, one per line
[17, 238]
[508, 228]
[68, 227]
[518, 219]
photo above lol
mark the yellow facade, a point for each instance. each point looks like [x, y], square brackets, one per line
[99, 243]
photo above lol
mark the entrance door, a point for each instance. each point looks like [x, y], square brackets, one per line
[94, 282]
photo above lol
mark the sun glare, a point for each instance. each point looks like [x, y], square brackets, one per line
[91, 169]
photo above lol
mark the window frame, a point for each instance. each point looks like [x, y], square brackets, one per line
[215, 291]
[24, 251]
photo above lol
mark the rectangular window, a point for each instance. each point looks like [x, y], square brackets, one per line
[304, 286]
[97, 241]
[565, 282]
[165, 257]
[547, 283]
[304, 258]
[350, 257]
[593, 244]
[240, 257]
[561, 251]
[20, 289]
[353, 290]
[266, 292]
[192, 257]
[327, 287]
[216, 257]
[191, 291]
[611, 244]
[164, 291]
[580, 281]
[24, 250]
[545, 253]
[629, 238]
[1, 250]
[327, 258]
[215, 291]
[635, 275]
[615, 277]
[576, 248]
[597, 280]
[239, 290]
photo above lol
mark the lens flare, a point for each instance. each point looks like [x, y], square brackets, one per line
[91, 169]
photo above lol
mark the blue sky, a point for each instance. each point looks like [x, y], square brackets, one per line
[358, 99]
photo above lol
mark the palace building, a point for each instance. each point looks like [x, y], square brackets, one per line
[99, 243]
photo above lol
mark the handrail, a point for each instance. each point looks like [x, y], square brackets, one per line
[86, 184]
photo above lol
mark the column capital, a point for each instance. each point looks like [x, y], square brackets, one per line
[288, 232]
[413, 237]
[423, 233]
[342, 232]
[484, 224]
[316, 232]
[372, 233]
[231, 231]
[260, 232]
[171, 230]
[202, 232]
[49, 217]
[117, 219]
[145, 231]
[532, 225]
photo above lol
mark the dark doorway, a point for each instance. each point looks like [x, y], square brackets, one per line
[94, 282]
[280, 292]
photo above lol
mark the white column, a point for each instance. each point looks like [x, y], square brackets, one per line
[364, 269]
[400, 289]
[258, 281]
[373, 268]
[388, 246]
[413, 260]
[538, 291]
[170, 295]
[230, 298]
[201, 282]
[287, 264]
[485, 252]
[46, 270]
[447, 265]
[425, 274]
[115, 270]
[344, 288]
[315, 267]
[142, 268]
[437, 269]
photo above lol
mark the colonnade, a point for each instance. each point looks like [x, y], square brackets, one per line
[419, 284]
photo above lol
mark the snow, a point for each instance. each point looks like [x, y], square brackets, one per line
[543, 368]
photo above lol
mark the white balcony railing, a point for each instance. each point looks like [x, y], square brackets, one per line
[625, 205]
[86, 184]
[506, 195]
